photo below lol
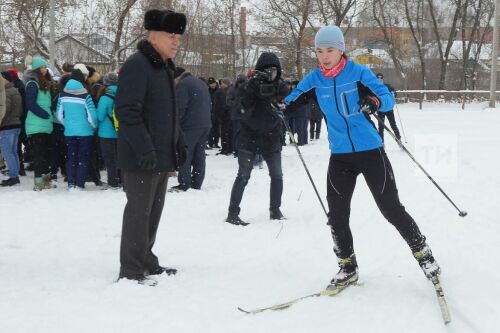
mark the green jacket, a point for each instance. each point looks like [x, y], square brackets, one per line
[38, 103]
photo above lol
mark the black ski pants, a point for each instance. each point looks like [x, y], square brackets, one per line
[377, 171]
[145, 192]
[392, 122]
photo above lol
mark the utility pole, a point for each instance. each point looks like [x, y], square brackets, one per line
[494, 56]
[52, 41]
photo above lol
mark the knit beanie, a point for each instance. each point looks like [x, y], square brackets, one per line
[38, 62]
[330, 36]
[110, 79]
[13, 73]
[83, 69]
[6, 75]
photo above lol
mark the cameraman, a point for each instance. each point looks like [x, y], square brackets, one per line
[260, 133]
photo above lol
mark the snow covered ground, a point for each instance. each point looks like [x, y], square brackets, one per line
[59, 250]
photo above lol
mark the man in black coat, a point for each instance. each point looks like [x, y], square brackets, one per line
[260, 133]
[193, 104]
[149, 141]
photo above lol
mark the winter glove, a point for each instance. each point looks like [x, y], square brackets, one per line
[148, 161]
[371, 104]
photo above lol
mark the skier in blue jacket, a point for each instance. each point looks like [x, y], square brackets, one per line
[347, 93]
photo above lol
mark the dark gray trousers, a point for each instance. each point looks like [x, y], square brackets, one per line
[145, 199]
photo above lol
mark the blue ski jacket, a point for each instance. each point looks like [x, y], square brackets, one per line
[349, 129]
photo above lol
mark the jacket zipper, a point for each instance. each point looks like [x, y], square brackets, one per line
[338, 110]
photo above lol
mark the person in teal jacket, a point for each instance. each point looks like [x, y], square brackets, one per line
[347, 93]
[76, 111]
[107, 132]
[38, 123]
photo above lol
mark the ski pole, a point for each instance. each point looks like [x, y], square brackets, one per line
[292, 139]
[461, 213]
[400, 121]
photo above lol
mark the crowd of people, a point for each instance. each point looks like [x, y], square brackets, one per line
[64, 125]
[154, 119]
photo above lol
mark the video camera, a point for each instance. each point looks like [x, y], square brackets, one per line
[266, 87]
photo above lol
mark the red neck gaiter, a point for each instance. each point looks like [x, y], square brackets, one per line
[335, 70]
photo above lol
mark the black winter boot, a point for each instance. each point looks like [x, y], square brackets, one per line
[275, 214]
[158, 270]
[233, 218]
[348, 273]
[10, 181]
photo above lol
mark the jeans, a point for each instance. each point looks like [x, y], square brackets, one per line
[314, 128]
[77, 161]
[300, 127]
[58, 150]
[109, 154]
[245, 163]
[192, 173]
[8, 146]
[236, 126]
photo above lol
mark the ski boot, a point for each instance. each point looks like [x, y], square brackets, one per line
[427, 262]
[348, 273]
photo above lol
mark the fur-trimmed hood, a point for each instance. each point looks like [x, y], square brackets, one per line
[145, 47]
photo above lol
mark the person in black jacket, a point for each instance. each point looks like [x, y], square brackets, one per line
[223, 112]
[149, 140]
[298, 120]
[214, 136]
[233, 100]
[315, 120]
[260, 133]
[389, 114]
[193, 104]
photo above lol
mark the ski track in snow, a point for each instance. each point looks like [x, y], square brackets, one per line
[60, 251]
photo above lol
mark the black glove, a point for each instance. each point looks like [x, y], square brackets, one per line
[148, 161]
[371, 104]
[182, 151]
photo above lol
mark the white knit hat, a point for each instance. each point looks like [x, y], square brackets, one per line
[82, 69]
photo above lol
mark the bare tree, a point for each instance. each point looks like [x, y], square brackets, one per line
[30, 20]
[340, 11]
[474, 15]
[437, 18]
[417, 32]
[386, 13]
[288, 20]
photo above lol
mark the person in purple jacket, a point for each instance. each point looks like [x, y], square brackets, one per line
[347, 93]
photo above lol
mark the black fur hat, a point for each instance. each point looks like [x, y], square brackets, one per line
[165, 20]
